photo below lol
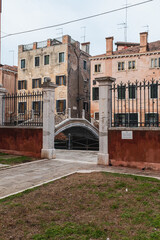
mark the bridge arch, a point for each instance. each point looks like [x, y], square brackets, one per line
[79, 133]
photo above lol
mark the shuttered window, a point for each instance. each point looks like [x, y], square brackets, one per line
[61, 80]
[22, 84]
[95, 93]
[61, 106]
[22, 107]
[36, 83]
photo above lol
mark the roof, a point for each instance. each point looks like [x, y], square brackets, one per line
[126, 44]
[152, 47]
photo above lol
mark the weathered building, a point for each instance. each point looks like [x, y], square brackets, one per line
[66, 64]
[130, 62]
[8, 78]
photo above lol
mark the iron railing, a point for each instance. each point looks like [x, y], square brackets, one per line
[136, 104]
[23, 109]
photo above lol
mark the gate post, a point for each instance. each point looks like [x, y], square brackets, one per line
[105, 84]
[3, 91]
[48, 150]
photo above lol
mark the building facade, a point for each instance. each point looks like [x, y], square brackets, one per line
[133, 64]
[8, 78]
[66, 64]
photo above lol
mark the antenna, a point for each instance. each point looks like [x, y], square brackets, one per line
[125, 24]
[84, 34]
[147, 27]
[60, 31]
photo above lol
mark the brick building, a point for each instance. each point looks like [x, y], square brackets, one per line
[66, 64]
[8, 78]
[130, 62]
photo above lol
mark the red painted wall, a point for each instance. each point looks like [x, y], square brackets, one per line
[141, 152]
[21, 141]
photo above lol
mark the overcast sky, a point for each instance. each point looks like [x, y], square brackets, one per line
[20, 15]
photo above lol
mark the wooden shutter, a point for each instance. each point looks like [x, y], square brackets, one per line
[64, 105]
[25, 84]
[40, 83]
[64, 80]
[19, 85]
[33, 85]
[57, 105]
[57, 80]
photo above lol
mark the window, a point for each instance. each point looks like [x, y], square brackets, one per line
[96, 115]
[61, 57]
[120, 66]
[154, 90]
[46, 59]
[36, 61]
[126, 119]
[61, 106]
[23, 63]
[151, 119]
[95, 93]
[36, 83]
[22, 106]
[131, 65]
[84, 65]
[94, 82]
[97, 68]
[155, 62]
[61, 80]
[132, 91]
[85, 106]
[36, 106]
[121, 92]
[22, 84]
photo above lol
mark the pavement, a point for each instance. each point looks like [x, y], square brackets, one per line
[18, 178]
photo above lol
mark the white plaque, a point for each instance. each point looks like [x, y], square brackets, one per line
[127, 134]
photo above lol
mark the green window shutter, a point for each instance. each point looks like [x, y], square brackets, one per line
[64, 105]
[93, 93]
[57, 80]
[64, 80]
[19, 85]
[25, 106]
[25, 84]
[33, 83]
[57, 105]
[40, 83]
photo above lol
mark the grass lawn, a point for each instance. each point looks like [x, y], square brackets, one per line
[12, 160]
[85, 207]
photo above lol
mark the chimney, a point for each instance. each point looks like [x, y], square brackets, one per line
[49, 41]
[66, 39]
[109, 46]
[85, 47]
[143, 42]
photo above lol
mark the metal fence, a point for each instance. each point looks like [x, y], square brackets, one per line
[23, 109]
[136, 104]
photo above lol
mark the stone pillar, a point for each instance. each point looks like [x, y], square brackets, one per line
[48, 150]
[3, 91]
[105, 84]
[69, 113]
[83, 113]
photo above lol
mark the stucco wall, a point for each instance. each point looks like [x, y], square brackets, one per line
[21, 141]
[143, 151]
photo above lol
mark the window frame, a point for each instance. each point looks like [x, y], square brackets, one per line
[95, 96]
[61, 80]
[98, 68]
[58, 110]
[35, 61]
[47, 55]
[84, 64]
[121, 66]
[23, 67]
[36, 80]
[121, 94]
[63, 60]
[21, 83]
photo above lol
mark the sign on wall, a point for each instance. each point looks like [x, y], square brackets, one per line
[127, 134]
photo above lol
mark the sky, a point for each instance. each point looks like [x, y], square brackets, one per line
[21, 15]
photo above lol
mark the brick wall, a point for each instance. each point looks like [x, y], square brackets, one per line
[143, 151]
[21, 141]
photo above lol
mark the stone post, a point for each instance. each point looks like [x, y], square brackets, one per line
[48, 150]
[83, 113]
[105, 84]
[3, 91]
[69, 113]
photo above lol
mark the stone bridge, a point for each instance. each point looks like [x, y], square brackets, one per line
[79, 124]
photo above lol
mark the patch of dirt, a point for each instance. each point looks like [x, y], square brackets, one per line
[110, 201]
